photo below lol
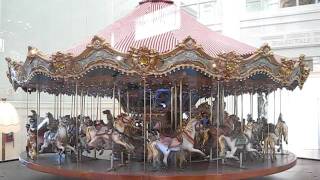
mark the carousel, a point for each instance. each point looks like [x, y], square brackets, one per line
[167, 117]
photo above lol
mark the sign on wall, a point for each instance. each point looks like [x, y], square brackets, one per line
[157, 22]
[1, 45]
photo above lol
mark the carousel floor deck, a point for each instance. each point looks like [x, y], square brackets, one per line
[98, 169]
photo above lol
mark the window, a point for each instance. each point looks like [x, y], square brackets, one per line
[305, 2]
[287, 3]
[258, 5]
[206, 11]
[291, 3]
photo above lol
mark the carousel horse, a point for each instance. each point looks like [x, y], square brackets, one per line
[167, 144]
[86, 122]
[230, 123]
[61, 137]
[238, 139]
[274, 137]
[31, 147]
[270, 144]
[281, 130]
[49, 135]
[73, 125]
[99, 135]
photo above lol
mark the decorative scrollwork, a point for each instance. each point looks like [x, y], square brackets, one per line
[265, 50]
[64, 64]
[286, 68]
[144, 60]
[303, 69]
[227, 64]
[34, 52]
[98, 43]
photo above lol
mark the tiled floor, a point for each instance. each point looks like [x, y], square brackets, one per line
[304, 170]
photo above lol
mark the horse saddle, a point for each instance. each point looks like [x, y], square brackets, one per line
[170, 142]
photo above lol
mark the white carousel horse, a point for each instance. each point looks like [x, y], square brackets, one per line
[282, 131]
[61, 137]
[105, 135]
[49, 135]
[167, 144]
[232, 142]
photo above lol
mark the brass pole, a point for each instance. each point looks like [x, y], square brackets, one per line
[27, 104]
[190, 105]
[38, 118]
[97, 108]
[3, 147]
[144, 121]
[76, 114]
[114, 102]
[181, 115]
[119, 101]
[150, 109]
[211, 119]
[217, 117]
[128, 102]
[251, 104]
[175, 107]
[71, 113]
[242, 122]
[280, 100]
[211, 109]
[114, 112]
[274, 107]
[172, 110]
[60, 110]
[235, 105]
[91, 108]
[100, 107]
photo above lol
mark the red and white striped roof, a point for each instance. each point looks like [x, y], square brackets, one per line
[123, 31]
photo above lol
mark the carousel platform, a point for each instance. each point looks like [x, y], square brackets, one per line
[90, 168]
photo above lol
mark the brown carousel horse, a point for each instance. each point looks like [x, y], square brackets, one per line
[230, 122]
[238, 139]
[99, 135]
[275, 138]
[61, 138]
[165, 145]
[31, 146]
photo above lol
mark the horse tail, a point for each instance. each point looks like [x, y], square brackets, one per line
[285, 133]
[88, 137]
[222, 145]
[149, 151]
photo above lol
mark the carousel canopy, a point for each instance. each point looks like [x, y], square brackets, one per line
[191, 55]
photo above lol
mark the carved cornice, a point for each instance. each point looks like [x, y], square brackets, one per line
[34, 53]
[229, 67]
[143, 60]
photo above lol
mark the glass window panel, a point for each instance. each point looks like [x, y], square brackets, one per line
[269, 4]
[253, 5]
[287, 3]
[305, 2]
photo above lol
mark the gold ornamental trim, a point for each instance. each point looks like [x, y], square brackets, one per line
[144, 62]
